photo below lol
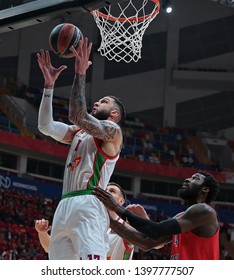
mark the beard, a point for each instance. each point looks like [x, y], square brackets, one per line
[102, 115]
[186, 194]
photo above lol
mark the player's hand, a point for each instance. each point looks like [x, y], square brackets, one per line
[49, 72]
[81, 55]
[108, 200]
[138, 210]
[42, 225]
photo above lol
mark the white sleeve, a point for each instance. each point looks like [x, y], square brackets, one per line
[46, 124]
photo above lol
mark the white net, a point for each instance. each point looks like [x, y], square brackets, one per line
[122, 27]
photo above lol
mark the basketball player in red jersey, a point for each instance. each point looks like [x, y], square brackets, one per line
[194, 233]
[80, 222]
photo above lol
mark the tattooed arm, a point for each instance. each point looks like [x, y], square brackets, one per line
[105, 130]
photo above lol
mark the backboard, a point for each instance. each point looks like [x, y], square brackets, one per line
[35, 12]
[229, 3]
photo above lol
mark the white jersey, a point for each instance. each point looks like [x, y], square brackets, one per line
[119, 248]
[81, 221]
[87, 165]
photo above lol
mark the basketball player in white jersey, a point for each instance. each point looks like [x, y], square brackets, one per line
[120, 249]
[79, 229]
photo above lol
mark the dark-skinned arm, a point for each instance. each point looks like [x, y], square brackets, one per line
[136, 238]
[149, 228]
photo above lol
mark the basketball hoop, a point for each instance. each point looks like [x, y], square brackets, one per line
[122, 27]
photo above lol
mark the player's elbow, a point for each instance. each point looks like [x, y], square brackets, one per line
[44, 129]
[72, 119]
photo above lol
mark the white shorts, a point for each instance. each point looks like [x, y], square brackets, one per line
[79, 229]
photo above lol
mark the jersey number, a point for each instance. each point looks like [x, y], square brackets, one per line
[92, 257]
[75, 162]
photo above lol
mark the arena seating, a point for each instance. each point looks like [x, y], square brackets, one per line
[142, 142]
[19, 239]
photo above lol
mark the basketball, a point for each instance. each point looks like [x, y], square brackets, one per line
[62, 37]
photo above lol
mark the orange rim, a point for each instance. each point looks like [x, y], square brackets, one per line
[131, 19]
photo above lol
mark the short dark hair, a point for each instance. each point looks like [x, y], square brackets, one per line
[213, 185]
[120, 188]
[120, 106]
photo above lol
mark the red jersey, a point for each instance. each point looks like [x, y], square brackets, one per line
[189, 246]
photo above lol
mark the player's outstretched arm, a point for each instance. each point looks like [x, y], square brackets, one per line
[149, 228]
[132, 236]
[78, 115]
[57, 130]
[77, 101]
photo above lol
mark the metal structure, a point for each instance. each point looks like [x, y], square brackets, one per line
[40, 11]
[229, 3]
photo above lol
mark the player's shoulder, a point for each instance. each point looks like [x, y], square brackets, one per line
[201, 208]
[111, 123]
[112, 128]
